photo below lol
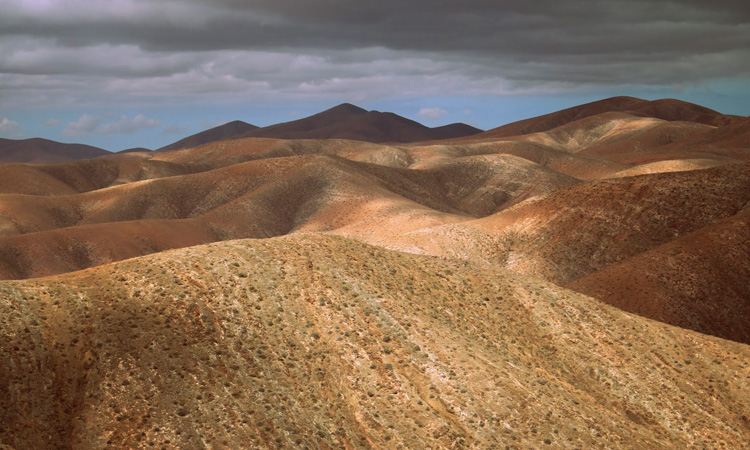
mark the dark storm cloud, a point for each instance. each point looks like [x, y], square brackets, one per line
[335, 44]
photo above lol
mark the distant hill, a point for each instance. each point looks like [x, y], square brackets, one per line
[43, 151]
[226, 131]
[665, 109]
[345, 121]
[135, 150]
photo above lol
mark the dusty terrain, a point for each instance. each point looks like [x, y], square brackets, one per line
[310, 341]
[432, 290]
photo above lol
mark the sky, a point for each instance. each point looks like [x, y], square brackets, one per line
[144, 73]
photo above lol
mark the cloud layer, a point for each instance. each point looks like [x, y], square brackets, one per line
[432, 113]
[90, 124]
[7, 125]
[138, 51]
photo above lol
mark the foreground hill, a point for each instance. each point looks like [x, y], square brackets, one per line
[322, 342]
[42, 151]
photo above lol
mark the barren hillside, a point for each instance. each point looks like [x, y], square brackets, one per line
[36, 150]
[664, 109]
[226, 131]
[699, 281]
[322, 342]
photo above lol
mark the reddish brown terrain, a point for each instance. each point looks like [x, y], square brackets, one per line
[432, 290]
[699, 281]
[36, 150]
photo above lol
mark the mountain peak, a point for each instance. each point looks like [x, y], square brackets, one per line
[347, 108]
[228, 130]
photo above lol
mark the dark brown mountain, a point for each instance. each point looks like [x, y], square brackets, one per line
[227, 131]
[347, 121]
[135, 150]
[43, 151]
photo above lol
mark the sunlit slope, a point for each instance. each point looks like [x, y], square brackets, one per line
[322, 342]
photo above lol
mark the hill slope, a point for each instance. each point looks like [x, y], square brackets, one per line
[583, 228]
[347, 121]
[699, 281]
[43, 234]
[322, 342]
[664, 109]
[43, 151]
[226, 131]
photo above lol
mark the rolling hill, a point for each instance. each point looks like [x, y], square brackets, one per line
[664, 109]
[40, 151]
[345, 121]
[698, 281]
[323, 342]
[226, 131]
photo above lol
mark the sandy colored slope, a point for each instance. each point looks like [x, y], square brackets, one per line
[68, 249]
[699, 281]
[321, 342]
[674, 165]
[617, 133]
[656, 134]
[647, 224]
[417, 156]
[577, 166]
[224, 153]
[628, 139]
[486, 184]
[313, 178]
